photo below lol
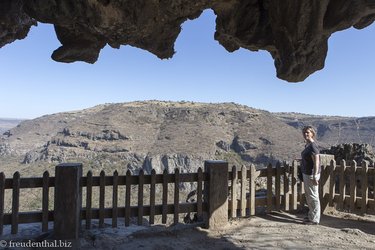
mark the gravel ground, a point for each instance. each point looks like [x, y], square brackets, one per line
[277, 230]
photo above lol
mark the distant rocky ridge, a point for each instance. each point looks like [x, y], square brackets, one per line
[167, 135]
[6, 124]
[334, 130]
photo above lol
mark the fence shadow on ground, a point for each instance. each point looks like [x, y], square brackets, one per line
[346, 222]
[180, 236]
[177, 237]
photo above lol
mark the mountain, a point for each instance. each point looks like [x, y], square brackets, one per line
[166, 135]
[151, 134]
[332, 130]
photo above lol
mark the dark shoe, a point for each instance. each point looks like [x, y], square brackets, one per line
[306, 219]
[310, 223]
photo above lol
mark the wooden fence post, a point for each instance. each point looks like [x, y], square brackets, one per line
[364, 187]
[342, 185]
[68, 201]
[269, 189]
[252, 190]
[152, 197]
[332, 184]
[243, 190]
[45, 201]
[89, 200]
[325, 180]
[234, 192]
[101, 198]
[353, 186]
[141, 181]
[217, 193]
[115, 199]
[277, 186]
[15, 202]
[286, 188]
[176, 195]
[293, 204]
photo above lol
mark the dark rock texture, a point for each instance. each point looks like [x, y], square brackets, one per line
[295, 32]
[14, 22]
[352, 152]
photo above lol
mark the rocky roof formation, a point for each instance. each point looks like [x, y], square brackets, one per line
[295, 32]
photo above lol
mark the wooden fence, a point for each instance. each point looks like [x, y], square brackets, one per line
[115, 181]
[343, 186]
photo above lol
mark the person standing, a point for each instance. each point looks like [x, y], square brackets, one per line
[310, 168]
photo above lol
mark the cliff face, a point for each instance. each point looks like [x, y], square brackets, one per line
[295, 32]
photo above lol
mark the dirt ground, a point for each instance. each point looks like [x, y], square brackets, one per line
[273, 231]
[278, 230]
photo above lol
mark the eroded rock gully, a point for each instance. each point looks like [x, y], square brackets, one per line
[295, 32]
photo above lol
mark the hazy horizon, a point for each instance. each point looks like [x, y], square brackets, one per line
[69, 111]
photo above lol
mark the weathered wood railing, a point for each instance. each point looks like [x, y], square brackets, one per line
[140, 210]
[115, 181]
[344, 187]
[15, 217]
[68, 184]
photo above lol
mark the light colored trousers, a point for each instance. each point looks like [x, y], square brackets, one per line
[312, 198]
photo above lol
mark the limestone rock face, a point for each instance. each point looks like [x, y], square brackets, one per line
[295, 32]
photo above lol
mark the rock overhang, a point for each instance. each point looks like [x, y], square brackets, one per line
[294, 32]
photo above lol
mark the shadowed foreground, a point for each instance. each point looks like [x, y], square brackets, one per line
[277, 230]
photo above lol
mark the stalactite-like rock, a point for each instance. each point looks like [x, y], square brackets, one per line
[295, 32]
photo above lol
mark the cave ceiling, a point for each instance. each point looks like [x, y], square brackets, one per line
[294, 32]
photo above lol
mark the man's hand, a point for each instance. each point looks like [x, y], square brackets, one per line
[315, 182]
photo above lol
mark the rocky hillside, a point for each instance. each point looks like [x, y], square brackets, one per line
[151, 135]
[166, 135]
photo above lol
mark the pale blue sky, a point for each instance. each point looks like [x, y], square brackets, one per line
[32, 84]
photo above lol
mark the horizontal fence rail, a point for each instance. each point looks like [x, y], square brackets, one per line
[344, 186]
[141, 210]
[115, 181]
